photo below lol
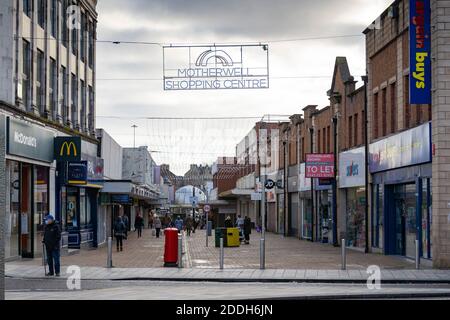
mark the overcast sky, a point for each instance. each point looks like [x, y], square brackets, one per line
[180, 143]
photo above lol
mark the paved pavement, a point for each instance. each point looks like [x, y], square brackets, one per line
[146, 290]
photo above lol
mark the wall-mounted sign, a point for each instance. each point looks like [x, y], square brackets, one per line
[95, 167]
[67, 148]
[403, 149]
[304, 183]
[320, 165]
[216, 67]
[77, 172]
[352, 168]
[121, 199]
[29, 140]
[419, 52]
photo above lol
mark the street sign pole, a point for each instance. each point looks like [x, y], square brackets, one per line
[262, 262]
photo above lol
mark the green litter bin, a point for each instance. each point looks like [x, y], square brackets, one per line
[221, 232]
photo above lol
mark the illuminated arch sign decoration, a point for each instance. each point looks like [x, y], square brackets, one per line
[216, 67]
[420, 52]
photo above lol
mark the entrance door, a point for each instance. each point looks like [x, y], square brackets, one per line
[26, 211]
[405, 220]
[400, 226]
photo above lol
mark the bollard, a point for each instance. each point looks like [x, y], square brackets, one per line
[262, 258]
[109, 261]
[180, 250]
[417, 255]
[343, 255]
[221, 257]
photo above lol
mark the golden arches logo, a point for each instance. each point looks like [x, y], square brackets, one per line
[68, 146]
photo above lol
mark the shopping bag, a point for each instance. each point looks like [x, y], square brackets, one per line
[153, 232]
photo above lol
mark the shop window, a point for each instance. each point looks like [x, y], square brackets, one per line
[355, 209]
[377, 217]
[41, 199]
[12, 210]
[26, 226]
[82, 207]
[71, 208]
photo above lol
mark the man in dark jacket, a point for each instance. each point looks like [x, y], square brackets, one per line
[247, 229]
[52, 238]
[119, 232]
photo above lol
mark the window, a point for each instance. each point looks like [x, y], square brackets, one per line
[27, 7]
[303, 150]
[318, 142]
[356, 129]
[26, 76]
[83, 105]
[53, 87]
[350, 131]
[41, 12]
[53, 17]
[74, 40]
[375, 115]
[418, 114]
[82, 38]
[324, 140]
[65, 88]
[90, 112]
[383, 113]
[91, 44]
[393, 109]
[406, 106]
[329, 138]
[64, 29]
[40, 78]
[74, 99]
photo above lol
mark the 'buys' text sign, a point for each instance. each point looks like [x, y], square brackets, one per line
[319, 166]
[420, 52]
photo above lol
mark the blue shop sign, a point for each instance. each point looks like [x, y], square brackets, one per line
[419, 52]
[121, 199]
[77, 172]
[408, 148]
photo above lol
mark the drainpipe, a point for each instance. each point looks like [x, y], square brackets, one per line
[366, 167]
[335, 241]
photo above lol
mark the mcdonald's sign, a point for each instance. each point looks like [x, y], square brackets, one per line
[67, 149]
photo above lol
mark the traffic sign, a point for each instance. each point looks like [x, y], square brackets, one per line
[270, 184]
[256, 196]
[207, 208]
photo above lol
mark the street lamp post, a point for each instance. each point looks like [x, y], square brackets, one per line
[134, 135]
[366, 166]
[311, 132]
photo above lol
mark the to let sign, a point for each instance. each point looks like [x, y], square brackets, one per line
[320, 165]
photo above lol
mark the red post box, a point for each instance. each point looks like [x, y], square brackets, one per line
[171, 247]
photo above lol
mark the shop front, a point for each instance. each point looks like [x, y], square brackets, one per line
[324, 227]
[29, 158]
[401, 192]
[79, 173]
[351, 187]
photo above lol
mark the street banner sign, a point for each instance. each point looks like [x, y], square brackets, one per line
[320, 165]
[216, 67]
[256, 196]
[419, 52]
[270, 184]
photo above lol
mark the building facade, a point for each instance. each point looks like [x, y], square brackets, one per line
[47, 93]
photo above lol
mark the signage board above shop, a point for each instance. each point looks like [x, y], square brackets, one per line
[77, 172]
[28, 140]
[352, 168]
[319, 165]
[420, 52]
[67, 148]
[404, 149]
[216, 67]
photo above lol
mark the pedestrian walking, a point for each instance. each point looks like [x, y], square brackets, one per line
[179, 224]
[150, 220]
[139, 224]
[119, 232]
[127, 225]
[157, 226]
[196, 224]
[240, 226]
[247, 229]
[189, 224]
[52, 239]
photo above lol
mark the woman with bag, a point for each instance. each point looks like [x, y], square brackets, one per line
[119, 232]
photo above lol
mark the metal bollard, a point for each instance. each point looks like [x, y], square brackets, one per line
[180, 250]
[262, 258]
[109, 261]
[417, 255]
[343, 255]
[221, 257]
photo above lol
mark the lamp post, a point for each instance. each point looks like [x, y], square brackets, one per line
[311, 133]
[134, 135]
[366, 166]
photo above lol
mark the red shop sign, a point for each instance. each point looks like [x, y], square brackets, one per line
[319, 165]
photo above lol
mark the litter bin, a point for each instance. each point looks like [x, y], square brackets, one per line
[221, 233]
[171, 247]
[233, 237]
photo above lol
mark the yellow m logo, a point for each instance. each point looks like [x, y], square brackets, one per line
[68, 146]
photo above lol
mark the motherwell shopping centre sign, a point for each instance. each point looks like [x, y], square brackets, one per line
[320, 165]
[216, 67]
[420, 52]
